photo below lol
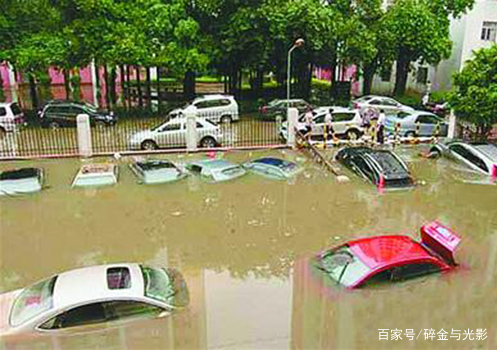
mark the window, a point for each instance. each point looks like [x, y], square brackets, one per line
[15, 109]
[59, 110]
[344, 267]
[3, 111]
[342, 117]
[389, 102]
[172, 127]
[414, 270]
[117, 310]
[375, 102]
[469, 156]
[78, 110]
[80, 316]
[202, 104]
[427, 119]
[319, 119]
[199, 125]
[118, 278]
[489, 31]
[157, 283]
[422, 75]
[362, 167]
[379, 278]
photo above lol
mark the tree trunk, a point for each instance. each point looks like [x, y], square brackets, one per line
[159, 94]
[368, 75]
[128, 85]
[148, 87]
[67, 84]
[112, 85]
[259, 82]
[139, 86]
[2, 94]
[189, 85]
[76, 85]
[333, 68]
[97, 84]
[123, 85]
[401, 75]
[33, 92]
[106, 81]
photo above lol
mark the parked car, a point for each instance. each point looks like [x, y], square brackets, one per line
[216, 170]
[157, 171]
[92, 295]
[273, 168]
[394, 258]
[278, 108]
[218, 108]
[21, 181]
[373, 165]
[416, 123]
[477, 156]
[62, 113]
[388, 104]
[346, 123]
[173, 134]
[11, 117]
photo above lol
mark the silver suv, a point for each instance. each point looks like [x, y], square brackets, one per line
[218, 108]
[11, 117]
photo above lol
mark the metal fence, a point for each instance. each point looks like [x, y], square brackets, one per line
[135, 135]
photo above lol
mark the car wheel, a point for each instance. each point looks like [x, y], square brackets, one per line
[226, 119]
[54, 126]
[208, 142]
[149, 145]
[353, 134]
[410, 134]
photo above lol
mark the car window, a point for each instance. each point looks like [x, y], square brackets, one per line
[363, 167]
[59, 109]
[389, 102]
[199, 125]
[402, 115]
[344, 267]
[15, 108]
[375, 102]
[341, 117]
[3, 111]
[469, 156]
[33, 301]
[122, 309]
[427, 119]
[79, 316]
[379, 278]
[414, 270]
[319, 119]
[224, 102]
[202, 104]
[77, 110]
[171, 127]
[157, 283]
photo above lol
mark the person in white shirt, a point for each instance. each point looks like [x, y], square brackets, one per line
[380, 128]
[328, 123]
[309, 121]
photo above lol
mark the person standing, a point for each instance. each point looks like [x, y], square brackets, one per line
[380, 127]
[309, 121]
[328, 124]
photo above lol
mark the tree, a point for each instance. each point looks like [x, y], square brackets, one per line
[474, 97]
[419, 31]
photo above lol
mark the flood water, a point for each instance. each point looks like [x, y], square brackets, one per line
[243, 247]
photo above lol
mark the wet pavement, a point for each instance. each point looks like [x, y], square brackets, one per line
[244, 246]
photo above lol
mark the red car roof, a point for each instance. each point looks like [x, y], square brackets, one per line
[388, 251]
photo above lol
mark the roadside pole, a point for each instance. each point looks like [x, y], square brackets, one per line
[191, 129]
[84, 135]
[292, 117]
[452, 125]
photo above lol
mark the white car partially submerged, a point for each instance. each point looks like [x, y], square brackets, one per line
[92, 295]
[216, 170]
[97, 174]
[21, 181]
[157, 171]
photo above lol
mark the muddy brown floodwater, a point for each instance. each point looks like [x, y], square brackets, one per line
[243, 248]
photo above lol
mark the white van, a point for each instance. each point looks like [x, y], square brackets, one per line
[11, 117]
[217, 108]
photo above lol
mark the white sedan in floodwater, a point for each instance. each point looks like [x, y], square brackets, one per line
[92, 295]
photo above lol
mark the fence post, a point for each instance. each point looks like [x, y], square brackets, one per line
[292, 117]
[452, 125]
[84, 135]
[191, 129]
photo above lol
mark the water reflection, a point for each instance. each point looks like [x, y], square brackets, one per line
[243, 245]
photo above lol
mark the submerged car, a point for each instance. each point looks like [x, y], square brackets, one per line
[478, 156]
[416, 123]
[376, 166]
[346, 123]
[216, 170]
[20, 181]
[274, 168]
[173, 134]
[375, 260]
[99, 174]
[92, 295]
[157, 171]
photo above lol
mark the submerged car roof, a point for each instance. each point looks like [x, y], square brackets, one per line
[382, 251]
[156, 165]
[273, 161]
[214, 163]
[389, 163]
[90, 283]
[18, 174]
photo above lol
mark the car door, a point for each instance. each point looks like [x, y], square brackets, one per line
[172, 134]
[428, 125]
[342, 121]
[203, 107]
[59, 114]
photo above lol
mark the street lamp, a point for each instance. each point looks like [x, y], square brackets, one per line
[298, 43]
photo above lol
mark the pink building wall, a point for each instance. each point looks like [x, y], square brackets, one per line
[349, 74]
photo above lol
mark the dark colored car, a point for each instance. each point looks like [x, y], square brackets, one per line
[277, 108]
[62, 113]
[372, 165]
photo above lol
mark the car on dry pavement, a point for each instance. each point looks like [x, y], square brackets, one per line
[393, 258]
[385, 103]
[92, 295]
[63, 113]
[277, 108]
[216, 107]
[11, 117]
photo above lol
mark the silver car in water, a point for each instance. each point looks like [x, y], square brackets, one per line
[478, 156]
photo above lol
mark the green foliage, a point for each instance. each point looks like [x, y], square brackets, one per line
[474, 97]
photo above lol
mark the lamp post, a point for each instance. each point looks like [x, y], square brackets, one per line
[298, 43]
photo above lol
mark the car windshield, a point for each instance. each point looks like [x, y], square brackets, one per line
[274, 103]
[91, 108]
[157, 284]
[344, 267]
[157, 126]
[33, 301]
